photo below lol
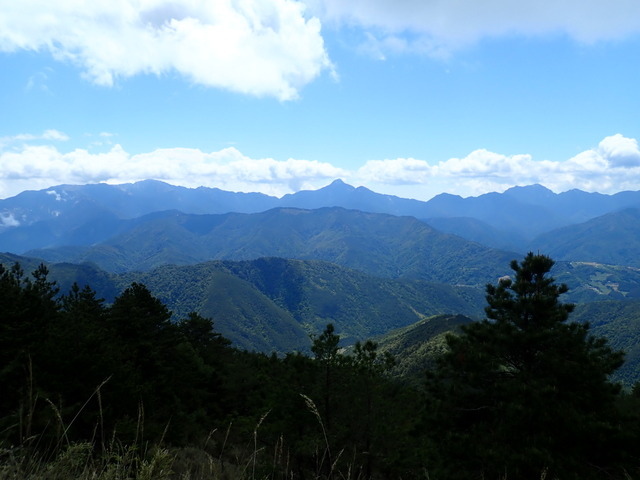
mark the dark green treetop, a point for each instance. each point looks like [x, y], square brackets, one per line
[525, 393]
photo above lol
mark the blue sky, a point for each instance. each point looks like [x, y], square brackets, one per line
[408, 97]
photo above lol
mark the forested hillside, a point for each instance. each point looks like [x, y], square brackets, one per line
[417, 347]
[273, 304]
[145, 397]
[382, 245]
[619, 322]
[611, 239]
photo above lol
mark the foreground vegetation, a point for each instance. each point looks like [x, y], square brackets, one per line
[120, 391]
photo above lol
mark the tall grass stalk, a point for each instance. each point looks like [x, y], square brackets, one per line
[327, 453]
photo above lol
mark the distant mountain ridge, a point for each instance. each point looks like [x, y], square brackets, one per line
[613, 238]
[378, 244]
[86, 214]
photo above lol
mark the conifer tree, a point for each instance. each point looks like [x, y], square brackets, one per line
[28, 309]
[525, 393]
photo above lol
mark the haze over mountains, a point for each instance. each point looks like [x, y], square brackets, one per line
[270, 271]
[85, 215]
[449, 239]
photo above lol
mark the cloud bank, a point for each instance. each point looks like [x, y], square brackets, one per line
[612, 166]
[31, 162]
[438, 27]
[29, 166]
[275, 47]
[257, 47]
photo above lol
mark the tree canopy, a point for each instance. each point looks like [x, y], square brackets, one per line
[525, 393]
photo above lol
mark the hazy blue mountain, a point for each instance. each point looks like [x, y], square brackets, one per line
[499, 211]
[480, 232]
[532, 195]
[578, 206]
[340, 194]
[88, 214]
[129, 200]
[378, 244]
[613, 238]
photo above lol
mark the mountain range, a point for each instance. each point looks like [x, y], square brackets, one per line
[271, 271]
[86, 214]
[379, 244]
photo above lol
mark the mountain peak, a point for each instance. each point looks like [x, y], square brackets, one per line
[338, 184]
[535, 188]
[534, 194]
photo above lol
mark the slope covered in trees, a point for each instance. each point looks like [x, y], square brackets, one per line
[416, 347]
[141, 393]
[304, 294]
[619, 322]
[611, 239]
[272, 304]
[76, 370]
[381, 245]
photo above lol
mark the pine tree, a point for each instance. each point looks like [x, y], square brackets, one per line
[525, 393]
[28, 309]
[325, 349]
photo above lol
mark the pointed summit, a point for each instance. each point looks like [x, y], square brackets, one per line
[338, 186]
[333, 195]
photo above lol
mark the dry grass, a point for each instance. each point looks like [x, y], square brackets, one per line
[101, 459]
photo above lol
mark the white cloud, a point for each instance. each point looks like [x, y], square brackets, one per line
[55, 194]
[620, 151]
[8, 220]
[611, 166]
[38, 167]
[257, 47]
[38, 81]
[54, 135]
[438, 26]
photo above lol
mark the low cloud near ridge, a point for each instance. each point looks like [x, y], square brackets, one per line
[31, 162]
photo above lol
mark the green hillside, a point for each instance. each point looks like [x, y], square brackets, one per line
[274, 304]
[415, 347]
[619, 322]
[611, 239]
[381, 245]
[120, 390]
[590, 281]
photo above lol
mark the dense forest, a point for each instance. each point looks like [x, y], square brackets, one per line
[92, 389]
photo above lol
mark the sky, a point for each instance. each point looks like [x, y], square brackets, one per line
[406, 97]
